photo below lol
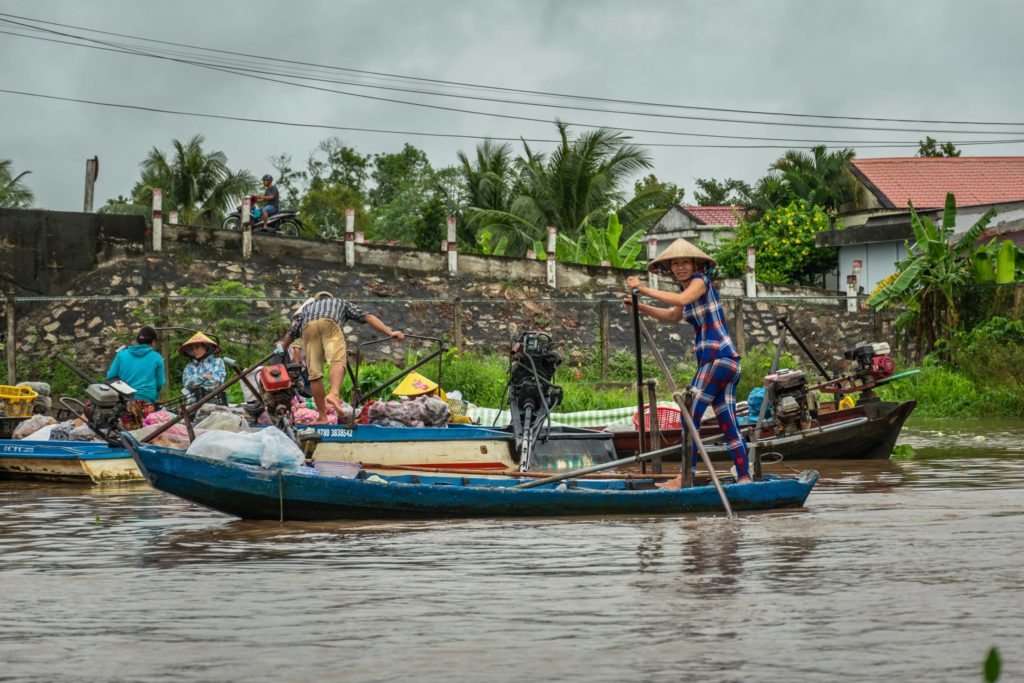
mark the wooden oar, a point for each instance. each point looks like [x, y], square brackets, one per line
[687, 420]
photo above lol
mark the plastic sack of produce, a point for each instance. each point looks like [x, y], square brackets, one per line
[224, 421]
[27, 429]
[172, 437]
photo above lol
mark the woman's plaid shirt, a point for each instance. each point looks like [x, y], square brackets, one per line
[712, 339]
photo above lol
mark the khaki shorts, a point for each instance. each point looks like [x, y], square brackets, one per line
[323, 341]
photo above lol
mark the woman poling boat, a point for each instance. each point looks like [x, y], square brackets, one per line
[718, 361]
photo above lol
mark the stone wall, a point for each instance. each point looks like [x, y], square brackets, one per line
[107, 287]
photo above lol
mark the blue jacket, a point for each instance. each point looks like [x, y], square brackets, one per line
[142, 368]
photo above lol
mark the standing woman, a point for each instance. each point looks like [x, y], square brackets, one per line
[718, 361]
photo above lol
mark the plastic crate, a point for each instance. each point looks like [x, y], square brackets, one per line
[668, 418]
[16, 401]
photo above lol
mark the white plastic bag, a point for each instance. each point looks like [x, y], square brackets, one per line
[224, 421]
[268, 447]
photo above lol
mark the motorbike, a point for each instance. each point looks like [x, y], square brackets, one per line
[283, 222]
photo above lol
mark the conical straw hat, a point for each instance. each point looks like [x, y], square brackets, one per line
[414, 384]
[199, 338]
[678, 249]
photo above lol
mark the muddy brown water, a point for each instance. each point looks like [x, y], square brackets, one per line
[906, 571]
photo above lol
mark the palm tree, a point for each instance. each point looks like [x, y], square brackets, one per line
[821, 177]
[199, 186]
[929, 280]
[13, 193]
[573, 188]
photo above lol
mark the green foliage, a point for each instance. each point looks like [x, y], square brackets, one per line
[196, 184]
[480, 377]
[903, 451]
[598, 246]
[993, 666]
[933, 275]
[335, 163]
[14, 194]
[784, 240]
[323, 209]
[727, 192]
[820, 178]
[930, 147]
[576, 186]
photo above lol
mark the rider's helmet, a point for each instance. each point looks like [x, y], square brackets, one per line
[268, 177]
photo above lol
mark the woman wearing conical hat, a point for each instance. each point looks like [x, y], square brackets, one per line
[205, 370]
[718, 361]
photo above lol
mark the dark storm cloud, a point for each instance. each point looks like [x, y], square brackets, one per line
[922, 59]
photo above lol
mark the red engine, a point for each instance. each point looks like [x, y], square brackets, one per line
[882, 367]
[275, 378]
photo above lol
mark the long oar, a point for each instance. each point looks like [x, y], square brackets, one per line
[639, 351]
[690, 427]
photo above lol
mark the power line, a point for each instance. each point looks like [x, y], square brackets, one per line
[262, 76]
[524, 91]
[325, 126]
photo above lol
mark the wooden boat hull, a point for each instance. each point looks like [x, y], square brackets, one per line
[458, 447]
[254, 493]
[866, 432]
[85, 461]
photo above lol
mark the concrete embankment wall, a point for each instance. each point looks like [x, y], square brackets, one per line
[484, 307]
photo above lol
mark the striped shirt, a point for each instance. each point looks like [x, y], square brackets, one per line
[711, 339]
[337, 310]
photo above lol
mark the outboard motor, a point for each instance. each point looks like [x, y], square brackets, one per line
[278, 384]
[532, 396]
[793, 406]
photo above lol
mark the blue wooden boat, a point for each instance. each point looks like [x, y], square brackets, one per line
[251, 492]
[86, 461]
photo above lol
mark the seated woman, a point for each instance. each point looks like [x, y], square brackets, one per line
[205, 370]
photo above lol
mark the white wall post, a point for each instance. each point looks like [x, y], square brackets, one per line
[172, 218]
[552, 242]
[350, 237]
[158, 219]
[751, 274]
[453, 248]
[851, 287]
[246, 227]
[652, 251]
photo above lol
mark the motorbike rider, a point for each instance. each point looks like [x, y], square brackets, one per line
[271, 199]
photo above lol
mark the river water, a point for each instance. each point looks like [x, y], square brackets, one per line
[906, 571]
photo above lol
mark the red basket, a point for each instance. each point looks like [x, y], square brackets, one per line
[668, 418]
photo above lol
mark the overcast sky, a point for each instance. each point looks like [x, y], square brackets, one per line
[960, 61]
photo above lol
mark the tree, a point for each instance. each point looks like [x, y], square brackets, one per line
[930, 147]
[821, 177]
[287, 179]
[728, 192]
[323, 209]
[930, 279]
[395, 173]
[196, 184]
[342, 165]
[14, 194]
[489, 178]
[573, 188]
[784, 240]
[672, 193]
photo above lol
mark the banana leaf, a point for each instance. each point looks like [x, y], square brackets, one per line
[983, 271]
[1006, 262]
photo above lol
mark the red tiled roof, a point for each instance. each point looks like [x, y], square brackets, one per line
[714, 215]
[926, 180]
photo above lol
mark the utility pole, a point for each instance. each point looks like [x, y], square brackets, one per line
[92, 172]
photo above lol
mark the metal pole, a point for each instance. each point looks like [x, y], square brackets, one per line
[755, 462]
[12, 375]
[652, 402]
[640, 417]
[803, 347]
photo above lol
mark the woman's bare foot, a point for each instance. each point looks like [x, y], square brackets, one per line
[676, 483]
[744, 480]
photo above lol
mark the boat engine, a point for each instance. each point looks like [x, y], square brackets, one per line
[793, 406]
[531, 394]
[278, 385]
[872, 362]
[105, 405]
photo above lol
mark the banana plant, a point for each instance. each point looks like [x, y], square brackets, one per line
[931, 275]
